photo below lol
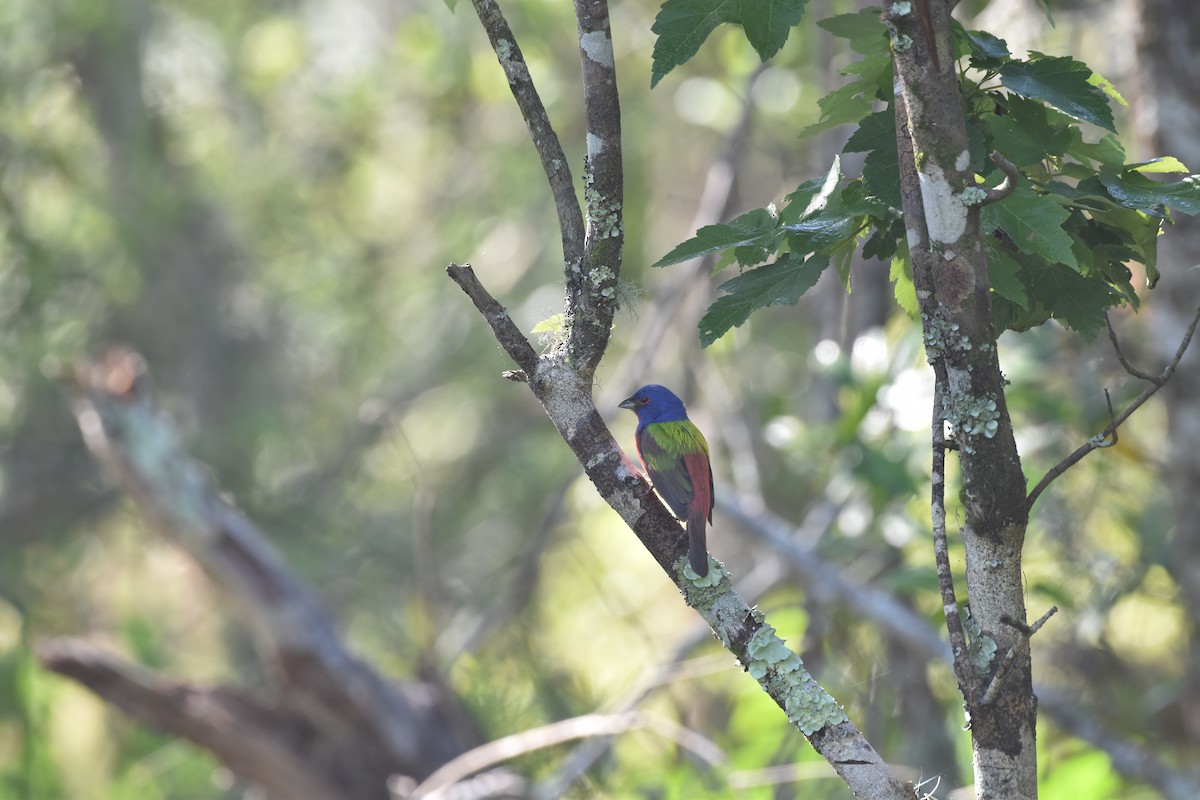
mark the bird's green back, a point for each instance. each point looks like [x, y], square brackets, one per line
[674, 439]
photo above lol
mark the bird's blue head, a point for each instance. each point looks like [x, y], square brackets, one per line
[654, 403]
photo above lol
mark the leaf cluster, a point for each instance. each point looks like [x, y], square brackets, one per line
[1059, 246]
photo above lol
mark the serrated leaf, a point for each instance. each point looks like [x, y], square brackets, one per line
[1143, 230]
[885, 241]
[881, 174]
[1034, 223]
[1108, 151]
[1105, 85]
[1076, 301]
[782, 282]
[875, 131]
[1062, 83]
[1029, 131]
[767, 23]
[1134, 190]
[904, 288]
[876, 70]
[1162, 164]
[1023, 145]
[985, 49]
[865, 30]
[1004, 274]
[840, 107]
[812, 196]
[682, 26]
[753, 227]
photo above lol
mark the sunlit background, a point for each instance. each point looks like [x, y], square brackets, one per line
[262, 197]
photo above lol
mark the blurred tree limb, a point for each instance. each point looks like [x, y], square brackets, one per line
[330, 720]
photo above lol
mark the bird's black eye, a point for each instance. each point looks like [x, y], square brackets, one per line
[645, 401]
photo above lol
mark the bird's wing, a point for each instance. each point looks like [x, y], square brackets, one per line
[667, 464]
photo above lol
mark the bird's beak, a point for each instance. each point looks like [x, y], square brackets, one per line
[627, 403]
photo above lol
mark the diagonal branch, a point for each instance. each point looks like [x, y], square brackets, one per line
[566, 397]
[295, 636]
[1103, 439]
[265, 745]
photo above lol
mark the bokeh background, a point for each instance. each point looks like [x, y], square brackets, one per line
[261, 197]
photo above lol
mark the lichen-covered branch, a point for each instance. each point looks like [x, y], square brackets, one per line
[592, 284]
[951, 279]
[567, 399]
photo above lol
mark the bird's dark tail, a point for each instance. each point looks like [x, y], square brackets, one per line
[697, 551]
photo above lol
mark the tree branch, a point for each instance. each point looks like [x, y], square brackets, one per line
[1102, 439]
[566, 397]
[554, 162]
[964, 670]
[912, 630]
[592, 283]
[294, 636]
[436, 786]
[265, 745]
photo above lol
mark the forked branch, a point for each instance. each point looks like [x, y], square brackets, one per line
[1104, 438]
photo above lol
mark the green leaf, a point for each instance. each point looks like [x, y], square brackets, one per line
[682, 26]
[885, 241]
[1108, 151]
[1162, 164]
[768, 22]
[865, 30]
[782, 282]
[876, 70]
[1106, 86]
[752, 228]
[986, 50]
[1076, 301]
[875, 131]
[1004, 274]
[901, 276]
[840, 107]
[1063, 83]
[812, 196]
[881, 169]
[1133, 190]
[1029, 132]
[1034, 223]
[1143, 230]
[552, 324]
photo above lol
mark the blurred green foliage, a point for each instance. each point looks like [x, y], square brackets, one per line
[262, 197]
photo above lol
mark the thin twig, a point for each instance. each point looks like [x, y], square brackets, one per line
[589, 725]
[1130, 368]
[963, 669]
[554, 162]
[1102, 439]
[1010, 658]
[1011, 177]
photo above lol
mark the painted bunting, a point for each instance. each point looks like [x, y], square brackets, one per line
[675, 456]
